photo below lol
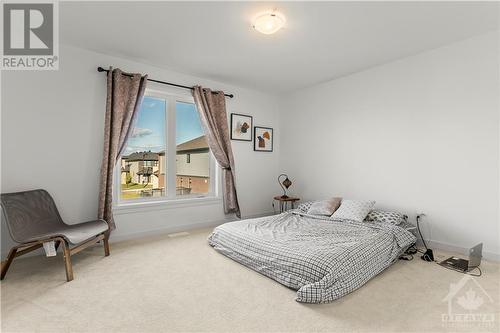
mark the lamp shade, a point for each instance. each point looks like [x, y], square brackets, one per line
[285, 184]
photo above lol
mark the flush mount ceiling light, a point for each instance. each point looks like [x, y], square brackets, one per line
[268, 23]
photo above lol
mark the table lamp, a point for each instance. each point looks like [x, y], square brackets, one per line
[285, 184]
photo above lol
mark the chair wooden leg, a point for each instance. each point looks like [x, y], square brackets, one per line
[67, 261]
[106, 244]
[10, 257]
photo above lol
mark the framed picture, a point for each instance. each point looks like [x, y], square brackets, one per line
[263, 138]
[241, 127]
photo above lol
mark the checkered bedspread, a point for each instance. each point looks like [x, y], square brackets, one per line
[322, 259]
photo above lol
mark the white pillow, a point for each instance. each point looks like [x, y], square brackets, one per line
[324, 207]
[353, 210]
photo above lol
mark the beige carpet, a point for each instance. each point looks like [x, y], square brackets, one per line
[165, 284]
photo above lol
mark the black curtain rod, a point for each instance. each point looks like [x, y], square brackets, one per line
[100, 69]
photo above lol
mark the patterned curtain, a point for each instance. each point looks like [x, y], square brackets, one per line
[125, 92]
[212, 109]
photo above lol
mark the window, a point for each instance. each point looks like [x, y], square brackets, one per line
[148, 171]
[193, 155]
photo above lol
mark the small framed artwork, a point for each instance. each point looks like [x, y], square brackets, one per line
[241, 127]
[263, 138]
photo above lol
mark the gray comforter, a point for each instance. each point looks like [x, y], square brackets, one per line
[322, 259]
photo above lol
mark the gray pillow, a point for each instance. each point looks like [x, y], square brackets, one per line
[324, 207]
[385, 216]
[353, 210]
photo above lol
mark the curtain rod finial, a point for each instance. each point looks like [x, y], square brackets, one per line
[100, 69]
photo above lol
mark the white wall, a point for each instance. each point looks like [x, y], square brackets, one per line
[52, 133]
[418, 135]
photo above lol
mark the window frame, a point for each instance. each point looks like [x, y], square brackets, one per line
[169, 197]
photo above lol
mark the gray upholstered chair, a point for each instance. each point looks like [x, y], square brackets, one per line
[33, 219]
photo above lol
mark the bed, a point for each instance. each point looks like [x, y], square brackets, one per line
[321, 258]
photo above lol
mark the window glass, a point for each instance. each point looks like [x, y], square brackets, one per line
[143, 167]
[192, 152]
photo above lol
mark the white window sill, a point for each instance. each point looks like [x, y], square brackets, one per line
[162, 204]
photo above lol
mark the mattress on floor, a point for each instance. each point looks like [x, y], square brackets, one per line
[322, 259]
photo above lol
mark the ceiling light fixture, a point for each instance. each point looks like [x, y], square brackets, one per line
[268, 23]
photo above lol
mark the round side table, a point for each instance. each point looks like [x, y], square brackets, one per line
[286, 202]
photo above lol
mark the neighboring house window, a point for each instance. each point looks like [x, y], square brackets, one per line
[166, 123]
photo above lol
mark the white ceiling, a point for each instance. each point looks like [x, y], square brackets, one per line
[321, 40]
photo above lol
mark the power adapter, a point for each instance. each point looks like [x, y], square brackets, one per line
[428, 256]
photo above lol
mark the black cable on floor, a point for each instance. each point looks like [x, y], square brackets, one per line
[419, 232]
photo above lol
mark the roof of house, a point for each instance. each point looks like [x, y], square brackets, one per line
[142, 156]
[146, 171]
[198, 144]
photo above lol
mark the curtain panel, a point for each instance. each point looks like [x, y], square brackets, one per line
[212, 109]
[124, 96]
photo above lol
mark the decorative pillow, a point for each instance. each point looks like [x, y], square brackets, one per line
[385, 216]
[304, 207]
[324, 207]
[353, 210]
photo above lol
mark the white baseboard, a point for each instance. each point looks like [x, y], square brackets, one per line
[159, 231]
[151, 232]
[460, 250]
[178, 228]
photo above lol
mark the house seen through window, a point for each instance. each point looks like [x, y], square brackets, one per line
[149, 167]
